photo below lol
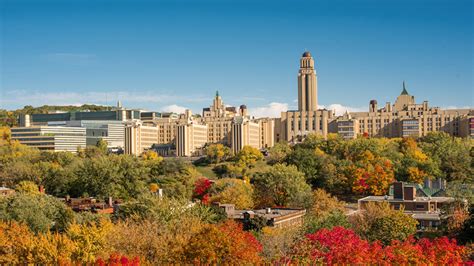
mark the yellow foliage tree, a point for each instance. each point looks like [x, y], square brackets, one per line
[27, 187]
[150, 155]
[90, 240]
[5, 135]
[217, 152]
[232, 190]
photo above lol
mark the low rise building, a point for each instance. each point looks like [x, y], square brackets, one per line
[428, 211]
[275, 217]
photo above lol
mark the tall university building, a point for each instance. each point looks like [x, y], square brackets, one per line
[135, 131]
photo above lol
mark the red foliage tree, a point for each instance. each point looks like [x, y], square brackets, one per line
[201, 189]
[116, 259]
[343, 246]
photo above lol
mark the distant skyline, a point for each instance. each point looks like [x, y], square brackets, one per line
[171, 55]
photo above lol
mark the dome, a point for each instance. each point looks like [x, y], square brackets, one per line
[243, 106]
[306, 54]
[373, 101]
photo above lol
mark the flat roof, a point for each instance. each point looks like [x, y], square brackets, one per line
[274, 212]
[417, 199]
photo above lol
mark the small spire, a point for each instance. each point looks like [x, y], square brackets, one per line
[404, 91]
[217, 93]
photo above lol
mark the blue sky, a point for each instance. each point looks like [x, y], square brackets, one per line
[165, 55]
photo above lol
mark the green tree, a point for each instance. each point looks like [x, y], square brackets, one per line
[40, 212]
[318, 167]
[451, 154]
[314, 223]
[379, 221]
[118, 176]
[281, 185]
[394, 226]
[102, 145]
[278, 153]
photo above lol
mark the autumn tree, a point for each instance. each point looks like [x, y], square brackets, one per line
[91, 240]
[246, 159]
[154, 242]
[232, 190]
[217, 153]
[343, 246]
[282, 185]
[278, 242]
[20, 245]
[5, 135]
[415, 165]
[396, 225]
[335, 246]
[223, 243]
[202, 188]
[27, 187]
[151, 155]
[324, 203]
[379, 221]
[326, 212]
[372, 175]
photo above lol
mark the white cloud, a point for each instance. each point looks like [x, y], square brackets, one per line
[174, 109]
[273, 109]
[36, 98]
[341, 109]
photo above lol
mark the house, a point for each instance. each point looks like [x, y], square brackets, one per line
[429, 211]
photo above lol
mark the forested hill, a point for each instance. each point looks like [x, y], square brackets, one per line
[10, 117]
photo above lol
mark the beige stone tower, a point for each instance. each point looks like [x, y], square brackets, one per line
[307, 84]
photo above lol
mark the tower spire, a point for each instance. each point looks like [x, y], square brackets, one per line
[404, 91]
[217, 93]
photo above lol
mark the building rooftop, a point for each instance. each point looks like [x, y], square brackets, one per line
[269, 213]
[419, 199]
[306, 54]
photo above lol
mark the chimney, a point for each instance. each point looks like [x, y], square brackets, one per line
[427, 183]
[111, 203]
[41, 189]
[409, 193]
[268, 211]
[160, 193]
[398, 190]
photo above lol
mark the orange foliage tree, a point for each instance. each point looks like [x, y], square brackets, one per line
[224, 243]
[372, 175]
